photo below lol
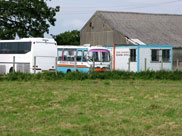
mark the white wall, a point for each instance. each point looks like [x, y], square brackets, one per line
[155, 66]
[122, 56]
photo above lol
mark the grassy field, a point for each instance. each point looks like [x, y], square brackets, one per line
[91, 107]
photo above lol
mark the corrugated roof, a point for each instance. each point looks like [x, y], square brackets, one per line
[149, 28]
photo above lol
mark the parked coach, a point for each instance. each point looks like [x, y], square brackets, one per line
[28, 55]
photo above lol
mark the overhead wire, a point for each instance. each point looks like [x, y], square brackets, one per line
[92, 9]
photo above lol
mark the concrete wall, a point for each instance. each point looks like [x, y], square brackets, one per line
[96, 32]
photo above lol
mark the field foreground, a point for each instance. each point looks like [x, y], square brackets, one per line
[90, 107]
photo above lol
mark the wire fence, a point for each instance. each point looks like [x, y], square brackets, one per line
[177, 65]
[28, 65]
[49, 63]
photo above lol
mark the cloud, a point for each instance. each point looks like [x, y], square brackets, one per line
[73, 24]
[66, 25]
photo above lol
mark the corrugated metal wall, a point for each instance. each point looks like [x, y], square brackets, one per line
[177, 55]
[98, 32]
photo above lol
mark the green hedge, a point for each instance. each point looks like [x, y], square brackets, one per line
[145, 75]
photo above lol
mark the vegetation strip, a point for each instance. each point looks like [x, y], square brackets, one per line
[147, 75]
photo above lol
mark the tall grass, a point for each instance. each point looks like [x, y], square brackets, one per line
[124, 75]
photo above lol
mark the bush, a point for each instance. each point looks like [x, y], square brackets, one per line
[76, 76]
[18, 76]
[124, 75]
[48, 76]
[1, 77]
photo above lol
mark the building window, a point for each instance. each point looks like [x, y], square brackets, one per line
[133, 55]
[155, 55]
[166, 55]
[90, 24]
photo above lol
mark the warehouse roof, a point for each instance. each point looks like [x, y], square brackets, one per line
[148, 28]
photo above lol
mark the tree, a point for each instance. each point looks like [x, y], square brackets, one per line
[68, 38]
[25, 18]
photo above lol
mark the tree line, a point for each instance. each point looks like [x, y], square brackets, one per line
[31, 18]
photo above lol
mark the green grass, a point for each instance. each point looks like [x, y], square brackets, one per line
[91, 107]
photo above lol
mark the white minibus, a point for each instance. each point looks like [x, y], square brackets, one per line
[83, 58]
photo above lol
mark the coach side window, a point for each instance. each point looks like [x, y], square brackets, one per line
[69, 54]
[15, 47]
[79, 56]
[60, 54]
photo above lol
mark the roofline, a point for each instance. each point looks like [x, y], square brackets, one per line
[136, 13]
[89, 21]
[106, 21]
[97, 13]
[141, 13]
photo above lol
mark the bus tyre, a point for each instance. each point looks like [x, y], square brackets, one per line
[68, 71]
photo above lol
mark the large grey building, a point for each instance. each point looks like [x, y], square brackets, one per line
[106, 28]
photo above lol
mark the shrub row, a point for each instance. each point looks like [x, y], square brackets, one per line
[147, 75]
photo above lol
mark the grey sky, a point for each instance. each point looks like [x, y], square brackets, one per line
[75, 13]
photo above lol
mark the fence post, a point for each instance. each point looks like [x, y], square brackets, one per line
[93, 64]
[75, 63]
[177, 67]
[56, 66]
[13, 64]
[34, 64]
[161, 63]
[145, 64]
[129, 64]
[114, 56]
[111, 63]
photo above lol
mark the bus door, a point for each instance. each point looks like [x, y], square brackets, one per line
[82, 55]
[81, 59]
[85, 55]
